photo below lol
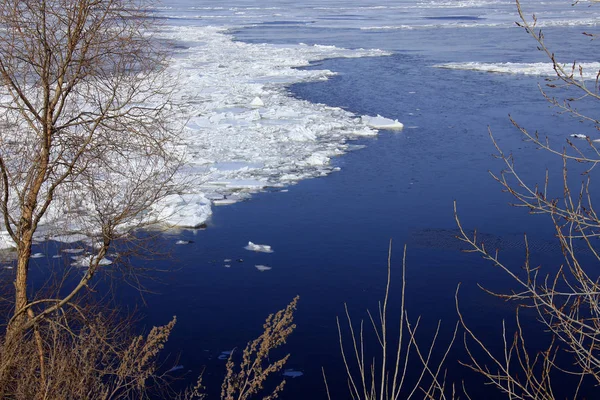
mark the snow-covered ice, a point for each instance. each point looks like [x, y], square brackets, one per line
[262, 268]
[84, 261]
[38, 255]
[589, 70]
[261, 248]
[380, 122]
[578, 136]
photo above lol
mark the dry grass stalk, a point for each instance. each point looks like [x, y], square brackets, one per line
[385, 376]
[247, 380]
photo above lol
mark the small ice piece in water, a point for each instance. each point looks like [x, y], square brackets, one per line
[175, 368]
[380, 122]
[292, 373]
[183, 242]
[262, 248]
[72, 251]
[224, 355]
[578, 136]
[84, 261]
[227, 265]
[257, 102]
[262, 268]
[37, 255]
[56, 256]
[227, 260]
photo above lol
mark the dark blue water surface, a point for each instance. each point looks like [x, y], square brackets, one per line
[331, 234]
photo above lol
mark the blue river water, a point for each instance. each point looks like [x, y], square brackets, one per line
[331, 234]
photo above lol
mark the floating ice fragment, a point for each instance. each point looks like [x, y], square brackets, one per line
[175, 368]
[578, 136]
[227, 265]
[257, 102]
[84, 261]
[37, 255]
[224, 355]
[72, 251]
[292, 373]
[56, 256]
[227, 260]
[183, 242]
[262, 268]
[185, 211]
[262, 248]
[380, 122]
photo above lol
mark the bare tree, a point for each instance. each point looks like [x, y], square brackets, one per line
[85, 146]
[565, 301]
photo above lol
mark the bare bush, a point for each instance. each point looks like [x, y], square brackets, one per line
[86, 356]
[384, 375]
[566, 300]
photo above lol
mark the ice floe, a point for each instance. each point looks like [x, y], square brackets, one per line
[292, 373]
[175, 368]
[242, 131]
[262, 268]
[261, 248]
[380, 122]
[38, 255]
[84, 261]
[589, 70]
[578, 136]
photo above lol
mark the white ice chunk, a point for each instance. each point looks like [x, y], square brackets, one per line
[257, 102]
[183, 242]
[37, 255]
[186, 211]
[72, 251]
[380, 122]
[84, 261]
[6, 241]
[261, 248]
[292, 373]
[578, 136]
[262, 268]
[175, 368]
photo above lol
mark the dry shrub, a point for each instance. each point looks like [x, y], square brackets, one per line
[84, 358]
[247, 380]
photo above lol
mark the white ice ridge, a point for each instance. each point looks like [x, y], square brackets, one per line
[380, 122]
[261, 248]
[589, 70]
[243, 130]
